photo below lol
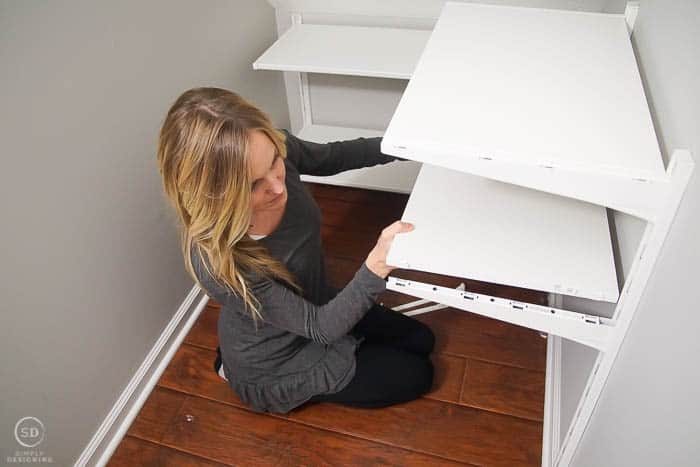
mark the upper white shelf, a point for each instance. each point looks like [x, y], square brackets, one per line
[552, 90]
[473, 227]
[346, 50]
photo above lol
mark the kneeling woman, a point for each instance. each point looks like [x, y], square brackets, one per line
[251, 239]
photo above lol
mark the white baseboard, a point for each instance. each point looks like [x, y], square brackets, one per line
[551, 435]
[119, 419]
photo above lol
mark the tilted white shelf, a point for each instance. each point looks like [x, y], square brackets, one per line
[347, 50]
[549, 99]
[474, 227]
[546, 99]
[395, 176]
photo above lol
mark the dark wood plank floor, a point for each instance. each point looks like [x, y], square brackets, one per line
[485, 407]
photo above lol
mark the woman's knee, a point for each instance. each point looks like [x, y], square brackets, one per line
[424, 377]
[419, 377]
[394, 373]
[423, 338]
[412, 379]
[430, 338]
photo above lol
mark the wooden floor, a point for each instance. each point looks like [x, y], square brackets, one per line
[485, 408]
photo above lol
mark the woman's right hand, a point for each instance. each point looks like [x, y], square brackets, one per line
[376, 260]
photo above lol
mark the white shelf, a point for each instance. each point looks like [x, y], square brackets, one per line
[552, 92]
[473, 227]
[346, 50]
[395, 176]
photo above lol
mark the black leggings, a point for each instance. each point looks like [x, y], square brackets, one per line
[393, 363]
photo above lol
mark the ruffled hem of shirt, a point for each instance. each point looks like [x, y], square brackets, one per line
[329, 375]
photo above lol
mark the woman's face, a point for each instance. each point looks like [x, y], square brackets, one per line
[267, 173]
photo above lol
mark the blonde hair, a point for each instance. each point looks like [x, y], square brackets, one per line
[203, 158]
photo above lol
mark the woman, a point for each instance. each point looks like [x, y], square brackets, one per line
[251, 239]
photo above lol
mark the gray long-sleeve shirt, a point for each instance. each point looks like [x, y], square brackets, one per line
[303, 346]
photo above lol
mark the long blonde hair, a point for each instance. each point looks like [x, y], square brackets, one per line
[203, 158]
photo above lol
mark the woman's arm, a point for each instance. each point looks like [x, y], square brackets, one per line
[282, 308]
[332, 158]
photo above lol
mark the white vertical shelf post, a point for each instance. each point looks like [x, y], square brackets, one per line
[302, 81]
[648, 251]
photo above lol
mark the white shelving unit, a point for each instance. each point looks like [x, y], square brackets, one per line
[347, 50]
[550, 100]
[529, 124]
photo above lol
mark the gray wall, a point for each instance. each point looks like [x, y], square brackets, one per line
[91, 268]
[649, 412]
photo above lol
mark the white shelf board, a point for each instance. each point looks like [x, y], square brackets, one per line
[396, 176]
[477, 228]
[531, 88]
[346, 50]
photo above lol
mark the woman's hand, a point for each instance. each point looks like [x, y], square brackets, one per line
[376, 260]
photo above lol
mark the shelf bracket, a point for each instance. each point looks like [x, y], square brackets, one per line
[589, 330]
